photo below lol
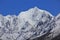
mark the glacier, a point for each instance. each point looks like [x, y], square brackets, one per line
[29, 25]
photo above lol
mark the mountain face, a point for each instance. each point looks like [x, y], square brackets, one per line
[34, 24]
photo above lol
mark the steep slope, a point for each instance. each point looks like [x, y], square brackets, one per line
[28, 25]
[39, 21]
[54, 34]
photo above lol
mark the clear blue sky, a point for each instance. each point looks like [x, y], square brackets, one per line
[16, 6]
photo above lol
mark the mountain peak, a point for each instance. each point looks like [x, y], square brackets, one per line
[32, 23]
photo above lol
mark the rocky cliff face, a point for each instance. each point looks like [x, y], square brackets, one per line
[34, 24]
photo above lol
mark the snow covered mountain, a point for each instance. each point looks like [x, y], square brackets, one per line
[28, 25]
